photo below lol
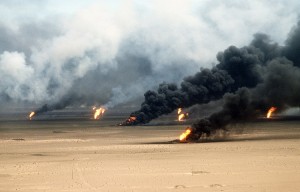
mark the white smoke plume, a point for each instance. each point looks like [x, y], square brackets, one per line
[111, 52]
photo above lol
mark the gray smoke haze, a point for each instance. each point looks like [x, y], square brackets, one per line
[257, 77]
[76, 53]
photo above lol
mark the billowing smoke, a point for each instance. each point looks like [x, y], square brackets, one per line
[250, 79]
[280, 88]
[111, 52]
[205, 86]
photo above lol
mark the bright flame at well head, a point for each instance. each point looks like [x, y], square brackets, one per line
[270, 111]
[185, 134]
[179, 111]
[31, 115]
[130, 121]
[98, 112]
[181, 115]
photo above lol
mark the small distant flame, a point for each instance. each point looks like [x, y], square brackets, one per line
[181, 115]
[130, 121]
[31, 115]
[185, 134]
[98, 112]
[179, 111]
[270, 111]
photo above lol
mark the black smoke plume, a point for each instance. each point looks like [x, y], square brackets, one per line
[214, 83]
[250, 79]
[64, 102]
[280, 88]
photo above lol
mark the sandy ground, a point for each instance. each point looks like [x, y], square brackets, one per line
[84, 156]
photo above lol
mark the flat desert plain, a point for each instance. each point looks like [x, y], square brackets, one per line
[83, 156]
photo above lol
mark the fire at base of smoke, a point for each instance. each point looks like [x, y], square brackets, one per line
[252, 80]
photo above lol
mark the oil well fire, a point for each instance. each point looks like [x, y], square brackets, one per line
[95, 114]
[251, 81]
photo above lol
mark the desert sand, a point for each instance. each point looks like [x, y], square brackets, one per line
[89, 156]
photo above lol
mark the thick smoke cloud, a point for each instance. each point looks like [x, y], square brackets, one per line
[110, 53]
[237, 68]
[280, 88]
[293, 45]
[257, 77]
[203, 87]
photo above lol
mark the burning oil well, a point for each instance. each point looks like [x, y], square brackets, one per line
[95, 113]
[249, 79]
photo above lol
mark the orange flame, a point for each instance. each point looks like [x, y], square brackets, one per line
[130, 119]
[31, 115]
[181, 115]
[98, 112]
[270, 111]
[179, 111]
[185, 134]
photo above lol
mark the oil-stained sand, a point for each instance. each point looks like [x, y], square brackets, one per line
[88, 156]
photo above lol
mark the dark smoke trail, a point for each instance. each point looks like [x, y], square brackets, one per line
[236, 108]
[63, 103]
[280, 88]
[214, 83]
[238, 67]
[292, 49]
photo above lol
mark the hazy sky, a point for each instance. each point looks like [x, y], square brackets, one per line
[112, 51]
